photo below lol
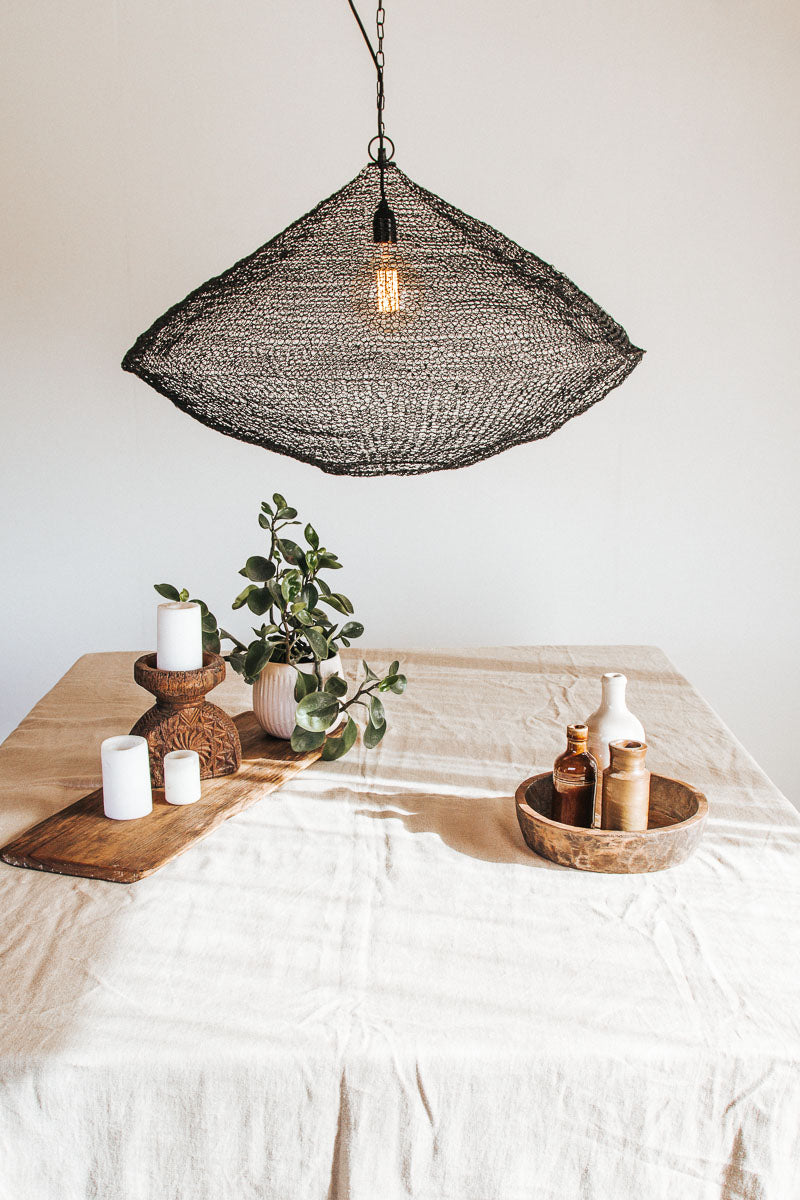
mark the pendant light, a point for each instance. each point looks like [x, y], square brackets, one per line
[385, 332]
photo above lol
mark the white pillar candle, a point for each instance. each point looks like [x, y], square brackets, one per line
[182, 776]
[179, 643]
[126, 778]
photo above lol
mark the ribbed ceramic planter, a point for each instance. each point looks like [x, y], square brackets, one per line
[273, 694]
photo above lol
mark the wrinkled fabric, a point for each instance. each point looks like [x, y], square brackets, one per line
[366, 987]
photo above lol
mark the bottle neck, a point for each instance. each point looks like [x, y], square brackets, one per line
[576, 745]
[614, 686]
[628, 756]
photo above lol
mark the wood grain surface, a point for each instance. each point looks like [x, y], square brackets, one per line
[181, 719]
[81, 840]
[675, 825]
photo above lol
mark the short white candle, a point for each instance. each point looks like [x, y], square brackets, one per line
[126, 778]
[182, 776]
[179, 643]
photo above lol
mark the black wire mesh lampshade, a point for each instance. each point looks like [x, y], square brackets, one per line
[376, 358]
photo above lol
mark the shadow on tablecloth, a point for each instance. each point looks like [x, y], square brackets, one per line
[485, 827]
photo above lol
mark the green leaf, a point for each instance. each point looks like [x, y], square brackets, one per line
[263, 520]
[318, 642]
[183, 596]
[304, 739]
[304, 616]
[394, 668]
[291, 584]
[393, 683]
[167, 591]
[237, 661]
[336, 685]
[373, 734]
[241, 599]
[323, 587]
[209, 623]
[258, 568]
[259, 600]
[368, 671]
[353, 629]
[337, 747]
[329, 561]
[310, 595]
[256, 659]
[278, 500]
[292, 552]
[223, 633]
[265, 631]
[311, 536]
[267, 508]
[287, 513]
[304, 685]
[377, 714]
[317, 711]
[211, 641]
[340, 603]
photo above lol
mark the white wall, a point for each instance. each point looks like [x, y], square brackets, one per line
[648, 150]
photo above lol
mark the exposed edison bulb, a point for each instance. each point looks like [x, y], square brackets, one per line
[388, 288]
[384, 232]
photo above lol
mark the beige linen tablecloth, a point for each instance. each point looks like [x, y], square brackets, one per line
[366, 986]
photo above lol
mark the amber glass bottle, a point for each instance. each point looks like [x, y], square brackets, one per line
[574, 780]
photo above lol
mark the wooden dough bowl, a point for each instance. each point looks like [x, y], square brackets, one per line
[677, 817]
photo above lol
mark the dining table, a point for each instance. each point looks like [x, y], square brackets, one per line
[366, 986]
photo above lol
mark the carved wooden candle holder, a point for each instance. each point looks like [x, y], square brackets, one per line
[182, 719]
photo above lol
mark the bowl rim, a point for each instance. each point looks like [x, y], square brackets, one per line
[147, 664]
[611, 835]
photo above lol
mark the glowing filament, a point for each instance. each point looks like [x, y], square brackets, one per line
[388, 290]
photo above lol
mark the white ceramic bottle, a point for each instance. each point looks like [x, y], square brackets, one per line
[613, 720]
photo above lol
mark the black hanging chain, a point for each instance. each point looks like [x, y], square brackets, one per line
[381, 96]
[379, 60]
[384, 225]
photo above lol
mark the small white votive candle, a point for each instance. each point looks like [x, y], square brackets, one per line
[179, 641]
[126, 778]
[182, 776]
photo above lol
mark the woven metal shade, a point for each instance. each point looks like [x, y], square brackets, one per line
[490, 346]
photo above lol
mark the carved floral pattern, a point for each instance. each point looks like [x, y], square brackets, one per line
[204, 728]
[196, 725]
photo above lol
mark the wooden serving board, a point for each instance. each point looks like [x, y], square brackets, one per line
[81, 840]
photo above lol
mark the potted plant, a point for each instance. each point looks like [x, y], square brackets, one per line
[293, 663]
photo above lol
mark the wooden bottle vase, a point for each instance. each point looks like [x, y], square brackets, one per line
[626, 787]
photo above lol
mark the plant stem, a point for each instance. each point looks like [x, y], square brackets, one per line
[223, 633]
[365, 689]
